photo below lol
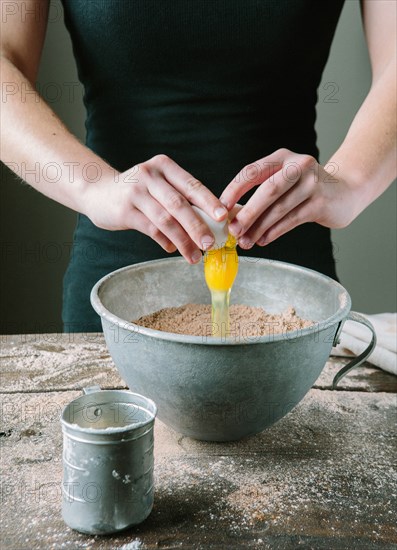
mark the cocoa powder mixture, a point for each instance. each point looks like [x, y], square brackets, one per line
[195, 320]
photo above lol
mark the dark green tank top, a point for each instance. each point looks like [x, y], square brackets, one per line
[214, 84]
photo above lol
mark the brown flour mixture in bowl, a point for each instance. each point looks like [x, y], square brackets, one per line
[249, 321]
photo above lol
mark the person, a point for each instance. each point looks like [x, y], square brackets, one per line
[203, 102]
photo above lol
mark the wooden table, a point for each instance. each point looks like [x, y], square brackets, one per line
[323, 477]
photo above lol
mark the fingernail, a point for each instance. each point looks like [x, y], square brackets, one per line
[245, 243]
[235, 228]
[262, 241]
[196, 256]
[220, 212]
[207, 241]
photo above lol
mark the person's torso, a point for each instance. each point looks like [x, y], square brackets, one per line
[214, 84]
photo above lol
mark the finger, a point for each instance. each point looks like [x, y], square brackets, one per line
[266, 194]
[190, 187]
[276, 211]
[142, 224]
[234, 211]
[179, 207]
[301, 214]
[168, 225]
[252, 175]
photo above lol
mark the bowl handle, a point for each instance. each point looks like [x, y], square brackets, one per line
[354, 316]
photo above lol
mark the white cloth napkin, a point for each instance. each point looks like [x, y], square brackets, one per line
[355, 337]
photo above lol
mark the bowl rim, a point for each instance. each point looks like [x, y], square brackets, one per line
[339, 316]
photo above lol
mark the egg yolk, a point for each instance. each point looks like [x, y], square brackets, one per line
[221, 266]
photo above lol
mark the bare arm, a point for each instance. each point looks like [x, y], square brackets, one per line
[294, 189]
[153, 197]
[30, 131]
[367, 156]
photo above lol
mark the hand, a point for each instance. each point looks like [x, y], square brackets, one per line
[154, 198]
[292, 189]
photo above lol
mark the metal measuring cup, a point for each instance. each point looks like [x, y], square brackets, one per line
[107, 460]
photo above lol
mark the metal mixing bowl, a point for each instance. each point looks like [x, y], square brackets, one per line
[211, 388]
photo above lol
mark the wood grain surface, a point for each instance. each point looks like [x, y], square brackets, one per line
[323, 477]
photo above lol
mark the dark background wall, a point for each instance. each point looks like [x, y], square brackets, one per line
[36, 233]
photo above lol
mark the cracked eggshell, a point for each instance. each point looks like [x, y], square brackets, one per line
[218, 229]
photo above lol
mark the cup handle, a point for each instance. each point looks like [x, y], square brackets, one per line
[354, 316]
[91, 389]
